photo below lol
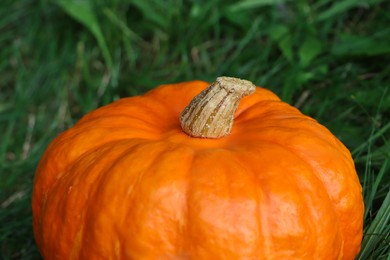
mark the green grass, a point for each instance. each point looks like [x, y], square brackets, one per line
[60, 59]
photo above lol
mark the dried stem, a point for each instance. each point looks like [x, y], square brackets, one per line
[210, 114]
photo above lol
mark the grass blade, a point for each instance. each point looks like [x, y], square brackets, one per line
[374, 187]
[249, 4]
[376, 44]
[342, 6]
[309, 50]
[82, 11]
[378, 232]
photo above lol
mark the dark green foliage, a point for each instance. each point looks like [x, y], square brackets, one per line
[60, 59]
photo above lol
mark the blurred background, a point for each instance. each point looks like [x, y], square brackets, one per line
[60, 59]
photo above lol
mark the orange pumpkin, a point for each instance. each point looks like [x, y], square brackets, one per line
[126, 182]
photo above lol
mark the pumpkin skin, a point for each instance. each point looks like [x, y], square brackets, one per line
[127, 183]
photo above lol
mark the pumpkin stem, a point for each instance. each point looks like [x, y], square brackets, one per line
[210, 114]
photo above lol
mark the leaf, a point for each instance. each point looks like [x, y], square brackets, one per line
[151, 12]
[370, 97]
[82, 11]
[337, 8]
[121, 25]
[343, 6]
[239, 18]
[310, 49]
[363, 45]
[249, 4]
[282, 36]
